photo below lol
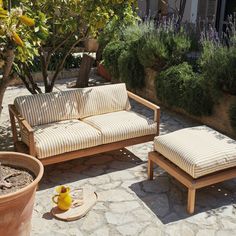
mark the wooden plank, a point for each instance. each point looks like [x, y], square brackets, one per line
[20, 119]
[217, 177]
[150, 169]
[191, 200]
[13, 125]
[143, 101]
[172, 169]
[150, 105]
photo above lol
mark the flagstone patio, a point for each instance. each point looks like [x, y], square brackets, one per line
[128, 204]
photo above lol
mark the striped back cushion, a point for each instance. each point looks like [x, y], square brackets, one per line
[47, 108]
[103, 99]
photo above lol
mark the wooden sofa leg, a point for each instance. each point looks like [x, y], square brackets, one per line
[150, 169]
[191, 200]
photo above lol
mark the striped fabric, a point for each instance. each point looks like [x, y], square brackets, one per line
[103, 99]
[121, 125]
[46, 108]
[198, 150]
[64, 136]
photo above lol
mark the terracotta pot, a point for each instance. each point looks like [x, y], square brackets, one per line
[16, 208]
[101, 70]
[91, 45]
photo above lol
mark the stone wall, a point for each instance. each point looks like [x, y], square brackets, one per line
[219, 120]
[65, 74]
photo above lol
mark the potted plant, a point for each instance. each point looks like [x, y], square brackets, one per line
[91, 45]
[16, 207]
[101, 70]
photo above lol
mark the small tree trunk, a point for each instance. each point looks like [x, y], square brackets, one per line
[99, 53]
[6, 79]
[85, 67]
[3, 87]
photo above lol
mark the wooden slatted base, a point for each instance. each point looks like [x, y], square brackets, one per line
[21, 147]
[191, 183]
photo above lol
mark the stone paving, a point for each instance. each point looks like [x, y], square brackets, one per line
[129, 204]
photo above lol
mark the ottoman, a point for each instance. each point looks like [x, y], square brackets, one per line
[197, 157]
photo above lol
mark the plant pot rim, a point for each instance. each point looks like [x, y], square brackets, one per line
[31, 185]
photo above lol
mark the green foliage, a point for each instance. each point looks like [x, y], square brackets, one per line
[160, 48]
[21, 35]
[72, 62]
[232, 115]
[111, 55]
[136, 31]
[179, 86]
[130, 69]
[71, 22]
[218, 65]
[115, 28]
[177, 44]
[152, 52]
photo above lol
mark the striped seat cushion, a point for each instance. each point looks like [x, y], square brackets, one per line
[64, 136]
[198, 150]
[103, 99]
[41, 109]
[121, 125]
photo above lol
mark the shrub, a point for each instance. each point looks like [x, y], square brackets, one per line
[152, 52]
[163, 47]
[218, 65]
[136, 31]
[179, 86]
[177, 45]
[130, 69]
[111, 54]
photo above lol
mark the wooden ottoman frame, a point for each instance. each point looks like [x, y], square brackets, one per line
[187, 180]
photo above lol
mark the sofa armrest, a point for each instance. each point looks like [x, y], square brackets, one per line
[24, 125]
[148, 104]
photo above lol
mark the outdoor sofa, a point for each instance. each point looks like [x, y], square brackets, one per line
[65, 125]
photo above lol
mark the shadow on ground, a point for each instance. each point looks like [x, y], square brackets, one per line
[167, 198]
[87, 167]
[6, 141]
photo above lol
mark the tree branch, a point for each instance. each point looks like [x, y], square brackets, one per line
[31, 79]
[9, 62]
[60, 65]
[54, 49]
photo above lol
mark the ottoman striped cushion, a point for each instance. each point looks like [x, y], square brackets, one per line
[198, 150]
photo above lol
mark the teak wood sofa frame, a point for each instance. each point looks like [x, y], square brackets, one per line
[191, 183]
[21, 147]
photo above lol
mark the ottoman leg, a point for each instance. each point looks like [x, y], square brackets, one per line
[150, 169]
[191, 200]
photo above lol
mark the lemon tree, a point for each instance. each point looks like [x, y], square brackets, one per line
[72, 21]
[19, 41]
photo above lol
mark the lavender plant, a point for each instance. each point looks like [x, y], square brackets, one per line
[218, 58]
